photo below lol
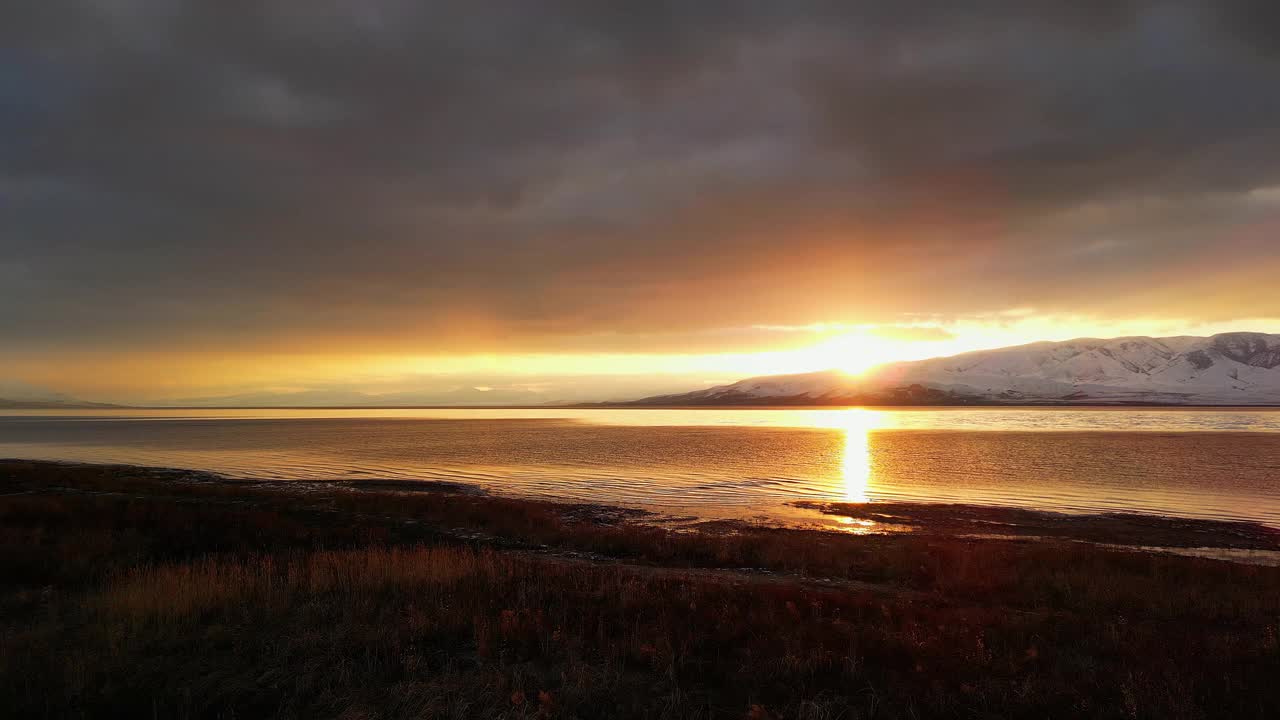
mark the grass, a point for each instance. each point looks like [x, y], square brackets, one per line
[124, 593]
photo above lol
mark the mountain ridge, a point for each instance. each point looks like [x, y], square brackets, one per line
[1239, 368]
[18, 395]
[11, 404]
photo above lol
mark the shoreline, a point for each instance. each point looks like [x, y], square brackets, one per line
[946, 520]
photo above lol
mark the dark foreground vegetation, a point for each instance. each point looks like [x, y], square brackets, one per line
[140, 593]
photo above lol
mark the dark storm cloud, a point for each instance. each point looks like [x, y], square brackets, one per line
[492, 173]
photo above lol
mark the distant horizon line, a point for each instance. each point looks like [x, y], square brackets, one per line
[81, 403]
[633, 405]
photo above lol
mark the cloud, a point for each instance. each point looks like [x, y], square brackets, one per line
[500, 175]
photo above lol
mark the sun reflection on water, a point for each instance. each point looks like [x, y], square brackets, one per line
[855, 466]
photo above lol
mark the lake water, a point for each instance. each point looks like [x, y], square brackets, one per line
[1218, 463]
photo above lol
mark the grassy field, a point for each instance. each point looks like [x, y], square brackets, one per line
[134, 593]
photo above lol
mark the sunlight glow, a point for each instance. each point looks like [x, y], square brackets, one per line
[855, 353]
[855, 348]
[857, 463]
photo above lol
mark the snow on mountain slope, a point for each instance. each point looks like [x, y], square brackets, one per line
[1228, 369]
[810, 385]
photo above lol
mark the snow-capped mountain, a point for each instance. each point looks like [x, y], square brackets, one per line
[1228, 369]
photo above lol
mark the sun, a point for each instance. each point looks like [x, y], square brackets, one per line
[856, 353]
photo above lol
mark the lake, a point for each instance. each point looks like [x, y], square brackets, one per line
[718, 463]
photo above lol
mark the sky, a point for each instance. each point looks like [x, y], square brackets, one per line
[576, 200]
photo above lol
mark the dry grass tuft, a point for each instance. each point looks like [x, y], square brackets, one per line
[174, 591]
